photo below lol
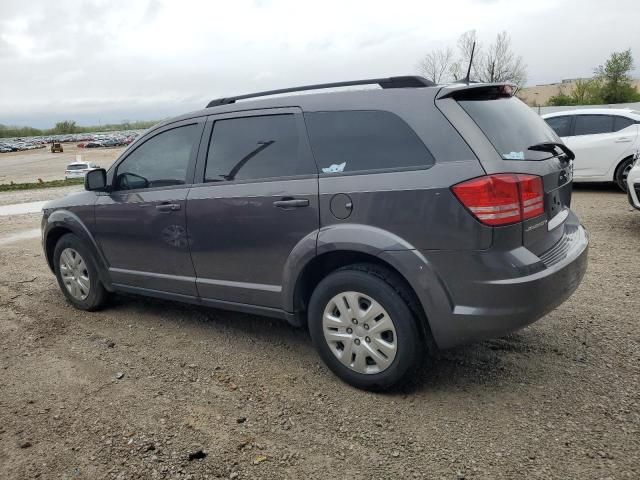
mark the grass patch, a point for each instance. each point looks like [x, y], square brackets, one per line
[9, 187]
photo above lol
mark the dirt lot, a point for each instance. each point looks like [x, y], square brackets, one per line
[28, 166]
[560, 399]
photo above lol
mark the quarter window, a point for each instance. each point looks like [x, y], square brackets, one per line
[350, 141]
[622, 122]
[593, 124]
[560, 125]
[161, 161]
[251, 148]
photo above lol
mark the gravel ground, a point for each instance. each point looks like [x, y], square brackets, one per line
[29, 165]
[151, 389]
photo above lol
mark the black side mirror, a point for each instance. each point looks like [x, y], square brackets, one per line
[96, 180]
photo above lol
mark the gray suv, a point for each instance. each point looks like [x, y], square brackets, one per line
[383, 220]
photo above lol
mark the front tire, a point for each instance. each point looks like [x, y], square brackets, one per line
[77, 274]
[362, 327]
[622, 172]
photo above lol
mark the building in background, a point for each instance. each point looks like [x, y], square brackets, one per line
[539, 95]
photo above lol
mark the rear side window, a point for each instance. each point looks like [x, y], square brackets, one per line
[351, 141]
[511, 126]
[251, 148]
[593, 124]
[560, 125]
[621, 122]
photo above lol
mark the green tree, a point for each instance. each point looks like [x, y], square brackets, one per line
[68, 126]
[615, 78]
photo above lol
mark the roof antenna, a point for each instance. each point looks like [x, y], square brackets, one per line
[467, 79]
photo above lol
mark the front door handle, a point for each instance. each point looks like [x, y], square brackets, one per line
[623, 140]
[287, 203]
[168, 207]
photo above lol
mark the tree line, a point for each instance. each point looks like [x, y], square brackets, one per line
[498, 62]
[70, 126]
[611, 84]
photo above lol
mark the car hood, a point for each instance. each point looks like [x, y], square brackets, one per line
[74, 199]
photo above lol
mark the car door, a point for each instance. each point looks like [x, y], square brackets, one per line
[140, 224]
[596, 146]
[256, 201]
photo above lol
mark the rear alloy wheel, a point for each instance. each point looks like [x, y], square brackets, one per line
[622, 173]
[362, 327]
[359, 332]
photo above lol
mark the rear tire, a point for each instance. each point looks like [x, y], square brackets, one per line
[622, 172]
[77, 274]
[363, 328]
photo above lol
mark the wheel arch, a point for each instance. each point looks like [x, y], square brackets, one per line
[62, 222]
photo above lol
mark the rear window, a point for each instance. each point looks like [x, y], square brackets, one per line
[511, 126]
[77, 166]
[560, 125]
[352, 141]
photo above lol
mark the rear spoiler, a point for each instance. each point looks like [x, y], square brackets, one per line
[478, 91]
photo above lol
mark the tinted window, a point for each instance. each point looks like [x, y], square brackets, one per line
[160, 161]
[621, 122]
[593, 124]
[350, 141]
[560, 125]
[511, 126]
[255, 147]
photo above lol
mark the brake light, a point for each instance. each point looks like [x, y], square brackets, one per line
[503, 198]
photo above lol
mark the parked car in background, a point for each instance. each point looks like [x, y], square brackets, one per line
[633, 183]
[78, 169]
[603, 140]
[383, 220]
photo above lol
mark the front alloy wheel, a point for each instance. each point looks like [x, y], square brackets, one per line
[75, 274]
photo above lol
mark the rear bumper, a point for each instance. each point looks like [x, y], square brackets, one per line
[482, 295]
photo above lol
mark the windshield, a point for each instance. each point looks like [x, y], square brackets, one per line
[511, 126]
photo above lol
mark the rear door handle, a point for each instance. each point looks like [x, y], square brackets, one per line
[287, 203]
[168, 207]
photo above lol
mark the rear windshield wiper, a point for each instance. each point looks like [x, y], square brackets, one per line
[551, 148]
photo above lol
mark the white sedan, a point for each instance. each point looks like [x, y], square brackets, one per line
[78, 169]
[633, 184]
[604, 141]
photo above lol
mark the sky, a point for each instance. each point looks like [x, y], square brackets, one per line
[106, 61]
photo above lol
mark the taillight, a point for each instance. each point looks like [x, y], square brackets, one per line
[502, 198]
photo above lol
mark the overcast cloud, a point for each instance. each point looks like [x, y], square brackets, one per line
[105, 61]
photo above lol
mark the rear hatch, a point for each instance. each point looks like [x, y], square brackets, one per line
[521, 142]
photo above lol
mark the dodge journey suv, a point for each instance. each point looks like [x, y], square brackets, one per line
[385, 220]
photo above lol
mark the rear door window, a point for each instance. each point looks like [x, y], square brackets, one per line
[253, 148]
[560, 125]
[593, 124]
[352, 141]
[622, 122]
[511, 126]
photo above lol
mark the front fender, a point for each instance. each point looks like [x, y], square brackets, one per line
[65, 220]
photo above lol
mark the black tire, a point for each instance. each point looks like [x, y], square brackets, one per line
[383, 286]
[97, 295]
[620, 177]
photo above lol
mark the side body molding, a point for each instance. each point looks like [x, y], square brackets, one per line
[70, 221]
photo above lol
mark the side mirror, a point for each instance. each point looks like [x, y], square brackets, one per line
[96, 180]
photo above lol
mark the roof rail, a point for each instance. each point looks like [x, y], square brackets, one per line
[390, 82]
